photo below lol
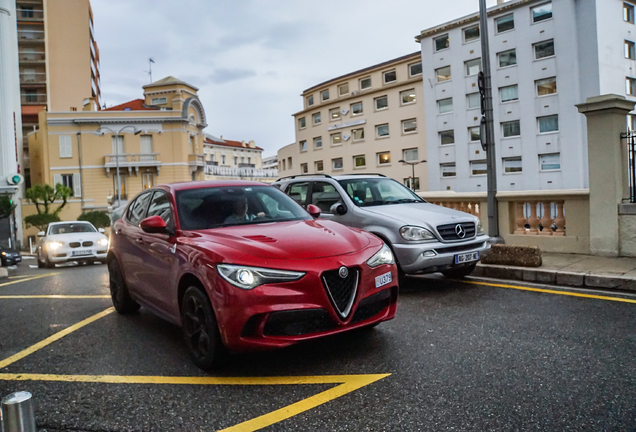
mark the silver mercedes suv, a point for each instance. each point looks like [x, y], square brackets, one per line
[425, 238]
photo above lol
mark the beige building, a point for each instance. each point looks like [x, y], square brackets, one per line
[234, 160]
[59, 61]
[157, 139]
[364, 121]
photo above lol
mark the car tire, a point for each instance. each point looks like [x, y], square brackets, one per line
[47, 263]
[41, 264]
[119, 294]
[459, 273]
[200, 329]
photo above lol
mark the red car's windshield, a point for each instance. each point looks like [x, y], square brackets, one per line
[216, 207]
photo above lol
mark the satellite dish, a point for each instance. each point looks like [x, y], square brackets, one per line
[346, 137]
[344, 111]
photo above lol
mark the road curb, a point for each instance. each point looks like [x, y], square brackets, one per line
[573, 279]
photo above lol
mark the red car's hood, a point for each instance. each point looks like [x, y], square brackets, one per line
[296, 240]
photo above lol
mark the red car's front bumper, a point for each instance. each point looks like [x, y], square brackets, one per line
[279, 315]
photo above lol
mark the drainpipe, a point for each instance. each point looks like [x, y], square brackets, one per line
[79, 154]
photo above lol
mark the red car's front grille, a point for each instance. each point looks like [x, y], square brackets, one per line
[297, 322]
[371, 306]
[341, 290]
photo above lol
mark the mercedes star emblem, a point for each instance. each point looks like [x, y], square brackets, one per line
[459, 230]
[343, 272]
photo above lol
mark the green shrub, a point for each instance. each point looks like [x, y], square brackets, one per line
[40, 220]
[98, 218]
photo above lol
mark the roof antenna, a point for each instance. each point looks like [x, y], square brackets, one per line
[149, 71]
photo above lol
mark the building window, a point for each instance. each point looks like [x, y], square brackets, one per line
[26, 11]
[67, 180]
[334, 113]
[301, 123]
[505, 23]
[471, 34]
[356, 108]
[410, 155]
[381, 102]
[343, 89]
[117, 143]
[441, 42]
[384, 158]
[324, 95]
[389, 77]
[310, 100]
[303, 168]
[415, 69]
[359, 161]
[409, 126]
[319, 166]
[546, 86]
[303, 146]
[235, 160]
[473, 67]
[223, 161]
[628, 12]
[407, 96]
[511, 129]
[443, 73]
[382, 130]
[630, 86]
[550, 162]
[629, 50]
[336, 164]
[358, 134]
[447, 137]
[121, 189]
[145, 145]
[289, 162]
[507, 58]
[249, 160]
[336, 139]
[445, 106]
[512, 165]
[66, 147]
[147, 181]
[478, 168]
[318, 142]
[509, 94]
[541, 13]
[473, 100]
[448, 169]
[474, 134]
[544, 49]
[316, 118]
[548, 124]
[159, 101]
[365, 83]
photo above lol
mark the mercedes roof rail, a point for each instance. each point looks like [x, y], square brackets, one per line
[362, 174]
[304, 175]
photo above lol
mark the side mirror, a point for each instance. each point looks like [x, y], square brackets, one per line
[154, 225]
[338, 208]
[101, 230]
[313, 210]
[41, 234]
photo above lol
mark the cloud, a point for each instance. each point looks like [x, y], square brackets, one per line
[223, 75]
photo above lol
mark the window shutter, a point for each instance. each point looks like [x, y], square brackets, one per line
[77, 185]
[57, 179]
[66, 148]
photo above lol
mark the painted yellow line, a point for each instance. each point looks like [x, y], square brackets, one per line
[547, 291]
[54, 296]
[25, 279]
[49, 340]
[19, 277]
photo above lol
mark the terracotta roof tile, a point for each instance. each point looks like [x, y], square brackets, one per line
[228, 143]
[133, 105]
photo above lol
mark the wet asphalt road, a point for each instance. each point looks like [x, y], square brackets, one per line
[462, 357]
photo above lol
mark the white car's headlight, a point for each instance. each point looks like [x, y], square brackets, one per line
[415, 233]
[480, 229]
[250, 277]
[383, 256]
[53, 245]
[103, 242]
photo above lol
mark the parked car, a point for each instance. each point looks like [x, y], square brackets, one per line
[9, 256]
[425, 238]
[240, 266]
[71, 241]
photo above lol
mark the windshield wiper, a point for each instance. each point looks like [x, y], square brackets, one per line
[403, 201]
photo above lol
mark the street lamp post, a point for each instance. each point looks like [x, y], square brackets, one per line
[412, 170]
[116, 135]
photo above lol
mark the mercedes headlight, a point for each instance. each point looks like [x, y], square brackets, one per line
[54, 245]
[480, 229]
[250, 277]
[415, 233]
[103, 242]
[384, 256]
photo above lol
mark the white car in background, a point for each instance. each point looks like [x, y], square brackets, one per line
[71, 241]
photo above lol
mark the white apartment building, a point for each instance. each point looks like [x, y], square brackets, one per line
[364, 121]
[234, 160]
[545, 58]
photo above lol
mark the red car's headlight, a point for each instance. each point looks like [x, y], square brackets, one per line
[384, 256]
[250, 277]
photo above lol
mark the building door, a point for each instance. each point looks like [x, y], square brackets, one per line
[147, 180]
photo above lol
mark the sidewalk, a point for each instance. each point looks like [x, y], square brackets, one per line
[570, 270]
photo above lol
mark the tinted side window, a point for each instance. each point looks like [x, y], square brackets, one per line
[160, 206]
[324, 195]
[298, 192]
[137, 209]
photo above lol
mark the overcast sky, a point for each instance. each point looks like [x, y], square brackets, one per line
[251, 59]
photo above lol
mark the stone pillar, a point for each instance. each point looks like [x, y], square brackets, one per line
[606, 119]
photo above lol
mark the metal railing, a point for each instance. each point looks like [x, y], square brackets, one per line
[630, 140]
[30, 15]
[32, 78]
[132, 158]
[239, 172]
[26, 56]
[35, 35]
[35, 98]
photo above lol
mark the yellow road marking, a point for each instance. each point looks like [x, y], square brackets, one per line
[19, 277]
[54, 296]
[568, 293]
[28, 279]
[14, 358]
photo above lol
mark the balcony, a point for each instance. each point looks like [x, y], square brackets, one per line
[211, 163]
[239, 173]
[30, 35]
[33, 99]
[31, 57]
[196, 161]
[33, 78]
[30, 15]
[132, 161]
[246, 165]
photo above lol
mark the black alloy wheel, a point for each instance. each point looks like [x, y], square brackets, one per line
[122, 301]
[200, 329]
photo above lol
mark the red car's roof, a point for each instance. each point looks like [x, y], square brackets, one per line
[211, 183]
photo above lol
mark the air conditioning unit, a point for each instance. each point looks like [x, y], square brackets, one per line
[344, 111]
[346, 137]
[355, 92]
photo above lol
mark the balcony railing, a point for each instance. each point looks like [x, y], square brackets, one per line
[196, 160]
[30, 35]
[39, 98]
[26, 56]
[211, 163]
[246, 165]
[32, 78]
[222, 171]
[30, 15]
[131, 161]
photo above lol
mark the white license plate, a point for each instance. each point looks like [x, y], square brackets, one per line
[383, 279]
[467, 257]
[82, 252]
